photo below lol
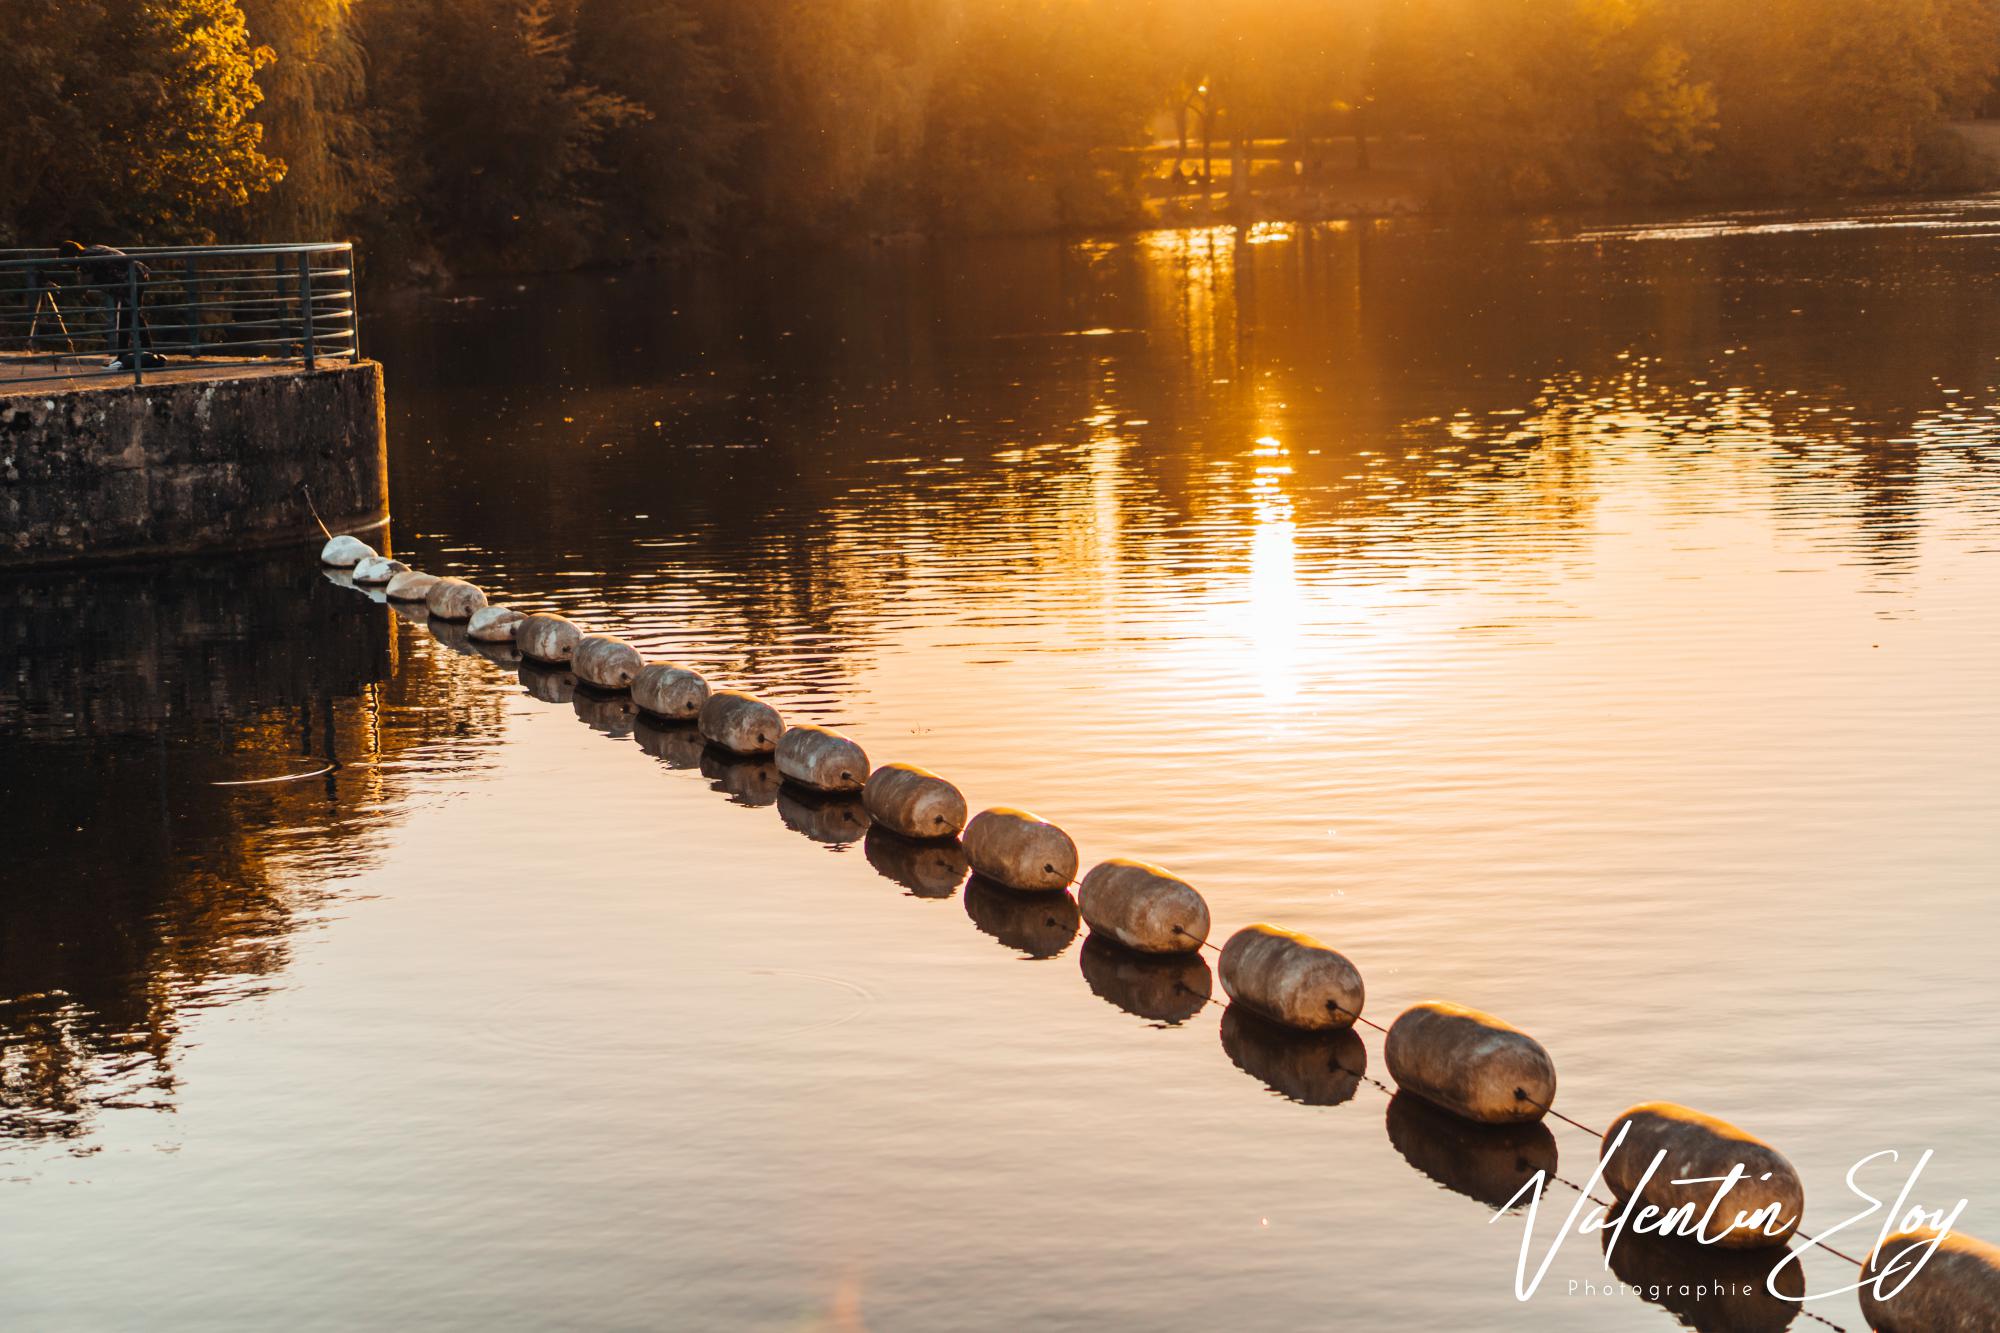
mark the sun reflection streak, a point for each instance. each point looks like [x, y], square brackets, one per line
[1276, 606]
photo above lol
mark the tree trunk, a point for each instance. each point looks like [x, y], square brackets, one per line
[1207, 149]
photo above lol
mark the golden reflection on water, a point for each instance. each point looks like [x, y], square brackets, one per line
[1277, 609]
[1578, 632]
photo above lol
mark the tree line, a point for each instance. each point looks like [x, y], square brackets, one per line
[480, 134]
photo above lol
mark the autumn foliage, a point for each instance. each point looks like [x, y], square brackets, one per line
[464, 134]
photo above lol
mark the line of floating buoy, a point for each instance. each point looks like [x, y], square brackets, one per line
[410, 585]
[1472, 1090]
[1142, 907]
[454, 599]
[822, 759]
[673, 693]
[546, 637]
[1703, 1148]
[1291, 979]
[915, 803]
[1470, 1063]
[494, 624]
[1020, 850]
[345, 552]
[605, 663]
[376, 569]
[1958, 1287]
[740, 723]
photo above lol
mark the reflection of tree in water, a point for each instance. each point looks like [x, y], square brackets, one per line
[136, 891]
[791, 451]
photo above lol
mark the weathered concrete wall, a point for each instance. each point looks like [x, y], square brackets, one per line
[190, 465]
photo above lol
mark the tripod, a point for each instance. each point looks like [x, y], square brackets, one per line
[45, 304]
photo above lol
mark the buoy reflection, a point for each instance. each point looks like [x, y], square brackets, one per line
[1708, 1287]
[601, 710]
[933, 868]
[1160, 988]
[452, 634]
[823, 817]
[552, 685]
[1317, 1068]
[745, 779]
[1489, 1163]
[1040, 924]
[675, 744]
[500, 652]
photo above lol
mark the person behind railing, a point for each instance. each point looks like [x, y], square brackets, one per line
[110, 270]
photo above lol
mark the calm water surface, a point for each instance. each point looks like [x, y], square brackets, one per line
[1597, 625]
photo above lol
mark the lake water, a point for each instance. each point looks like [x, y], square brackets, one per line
[1592, 623]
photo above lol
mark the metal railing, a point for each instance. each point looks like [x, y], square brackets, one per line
[156, 309]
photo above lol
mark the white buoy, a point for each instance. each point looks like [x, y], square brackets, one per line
[1142, 907]
[669, 691]
[1291, 978]
[1956, 1291]
[378, 569]
[606, 663]
[344, 552]
[411, 585]
[454, 599]
[822, 759]
[914, 802]
[494, 624]
[1020, 849]
[544, 637]
[741, 723]
[1470, 1063]
[1761, 1209]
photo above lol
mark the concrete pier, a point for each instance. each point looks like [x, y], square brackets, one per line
[191, 460]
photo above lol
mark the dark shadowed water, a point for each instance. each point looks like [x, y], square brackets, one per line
[1597, 625]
